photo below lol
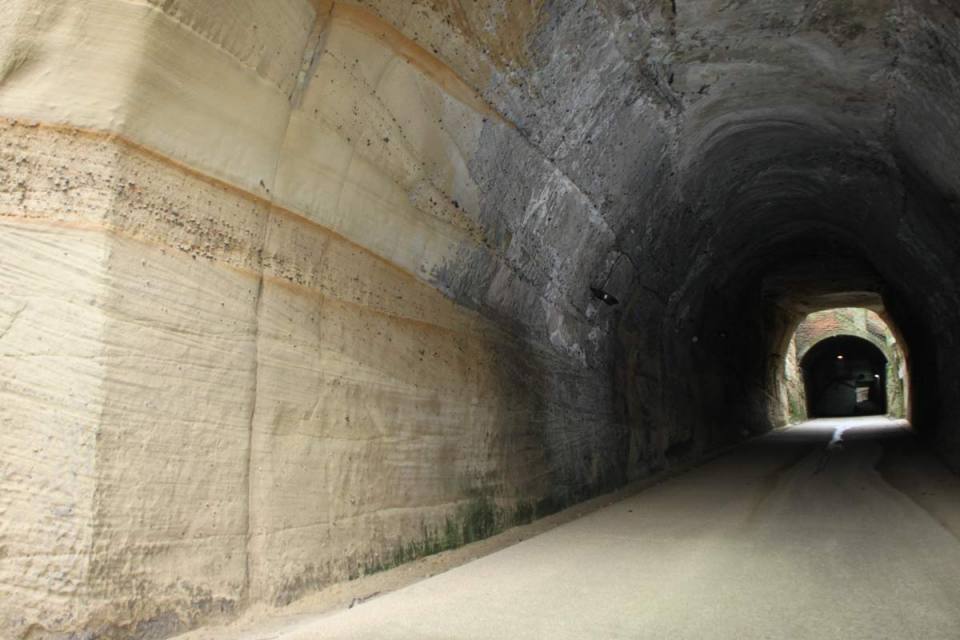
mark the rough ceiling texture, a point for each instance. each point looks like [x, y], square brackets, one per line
[293, 291]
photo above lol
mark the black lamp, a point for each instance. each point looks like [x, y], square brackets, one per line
[600, 294]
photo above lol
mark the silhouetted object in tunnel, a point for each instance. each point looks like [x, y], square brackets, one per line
[845, 376]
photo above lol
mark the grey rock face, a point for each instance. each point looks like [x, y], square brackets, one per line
[691, 156]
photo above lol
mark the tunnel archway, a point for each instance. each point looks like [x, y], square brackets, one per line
[845, 376]
[786, 218]
[860, 321]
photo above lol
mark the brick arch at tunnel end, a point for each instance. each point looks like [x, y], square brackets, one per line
[849, 321]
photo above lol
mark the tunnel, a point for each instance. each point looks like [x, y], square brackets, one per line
[845, 376]
[295, 294]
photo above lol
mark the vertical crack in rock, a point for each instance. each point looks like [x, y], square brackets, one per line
[313, 50]
[248, 466]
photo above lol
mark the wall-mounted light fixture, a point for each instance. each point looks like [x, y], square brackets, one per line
[839, 356]
[600, 294]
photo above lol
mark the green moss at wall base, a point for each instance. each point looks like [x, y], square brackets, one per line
[477, 519]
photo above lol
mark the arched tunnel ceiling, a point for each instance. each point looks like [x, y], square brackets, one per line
[691, 122]
[638, 124]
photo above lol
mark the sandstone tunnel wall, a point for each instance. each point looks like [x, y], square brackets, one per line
[259, 334]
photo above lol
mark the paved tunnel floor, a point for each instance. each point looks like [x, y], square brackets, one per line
[829, 529]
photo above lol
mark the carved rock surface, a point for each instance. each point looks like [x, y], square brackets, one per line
[292, 291]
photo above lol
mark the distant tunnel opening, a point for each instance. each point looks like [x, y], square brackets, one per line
[845, 376]
[819, 361]
[782, 220]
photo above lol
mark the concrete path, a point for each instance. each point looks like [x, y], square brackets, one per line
[830, 529]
